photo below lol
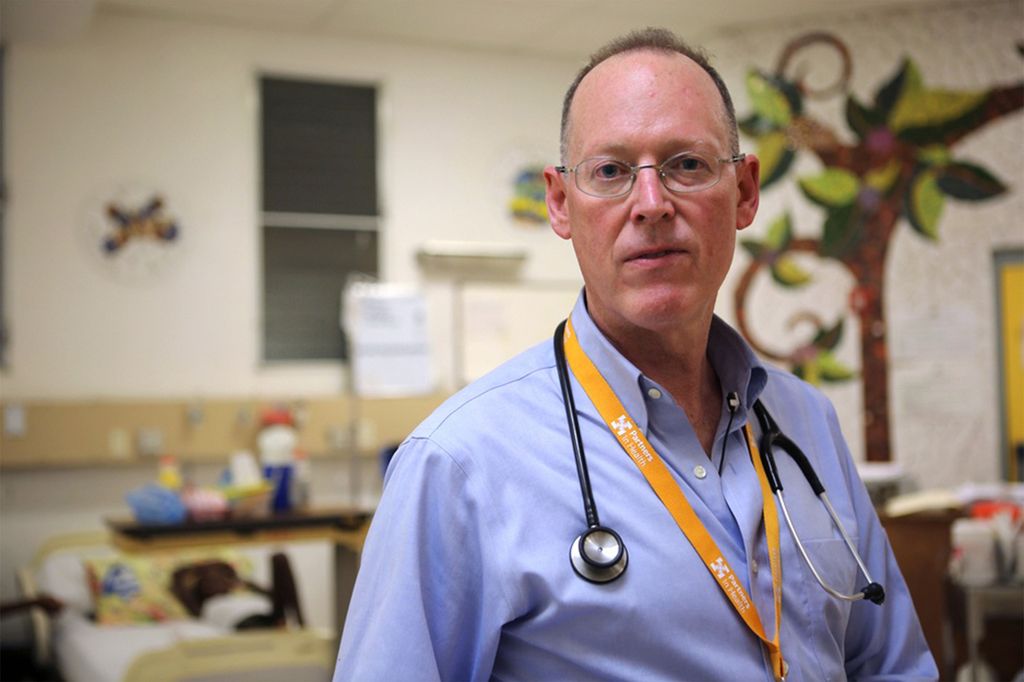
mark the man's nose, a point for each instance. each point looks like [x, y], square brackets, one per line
[650, 201]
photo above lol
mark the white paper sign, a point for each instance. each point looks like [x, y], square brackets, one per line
[386, 326]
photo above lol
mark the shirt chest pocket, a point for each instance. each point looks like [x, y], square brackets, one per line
[822, 540]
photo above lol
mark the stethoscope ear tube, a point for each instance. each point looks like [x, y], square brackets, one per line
[772, 436]
[874, 593]
[768, 430]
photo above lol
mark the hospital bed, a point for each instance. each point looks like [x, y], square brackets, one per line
[204, 649]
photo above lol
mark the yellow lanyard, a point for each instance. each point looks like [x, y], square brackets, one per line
[636, 445]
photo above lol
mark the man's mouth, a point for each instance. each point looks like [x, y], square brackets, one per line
[654, 255]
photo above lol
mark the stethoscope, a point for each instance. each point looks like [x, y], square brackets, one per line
[598, 554]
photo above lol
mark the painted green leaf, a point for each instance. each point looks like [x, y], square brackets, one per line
[883, 178]
[833, 188]
[779, 233]
[831, 369]
[787, 272]
[921, 107]
[890, 92]
[841, 232]
[755, 126]
[968, 182]
[934, 155]
[861, 119]
[829, 338]
[924, 204]
[768, 99]
[809, 372]
[775, 155]
[756, 249]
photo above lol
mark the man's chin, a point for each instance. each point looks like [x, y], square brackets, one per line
[662, 308]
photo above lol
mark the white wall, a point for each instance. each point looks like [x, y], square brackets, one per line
[172, 107]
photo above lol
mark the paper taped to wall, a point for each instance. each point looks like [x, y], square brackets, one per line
[386, 326]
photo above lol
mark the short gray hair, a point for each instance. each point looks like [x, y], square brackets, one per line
[656, 39]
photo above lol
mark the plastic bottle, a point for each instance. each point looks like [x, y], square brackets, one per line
[168, 473]
[276, 443]
[301, 480]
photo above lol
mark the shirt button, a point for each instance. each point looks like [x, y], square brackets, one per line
[753, 566]
[654, 393]
[699, 471]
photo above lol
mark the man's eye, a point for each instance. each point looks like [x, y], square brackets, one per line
[609, 171]
[687, 164]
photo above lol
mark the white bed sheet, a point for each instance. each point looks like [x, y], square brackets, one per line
[87, 652]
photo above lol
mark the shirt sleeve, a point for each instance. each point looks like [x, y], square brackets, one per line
[883, 642]
[426, 606]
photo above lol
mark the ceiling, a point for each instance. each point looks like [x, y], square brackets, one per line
[565, 28]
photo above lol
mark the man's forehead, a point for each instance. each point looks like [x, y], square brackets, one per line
[630, 68]
[624, 81]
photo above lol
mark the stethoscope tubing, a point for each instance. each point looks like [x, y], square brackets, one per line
[589, 505]
[771, 436]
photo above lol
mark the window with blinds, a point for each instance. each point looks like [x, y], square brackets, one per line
[320, 210]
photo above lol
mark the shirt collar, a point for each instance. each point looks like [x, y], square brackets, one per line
[739, 369]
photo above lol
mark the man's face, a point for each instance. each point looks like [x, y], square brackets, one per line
[651, 260]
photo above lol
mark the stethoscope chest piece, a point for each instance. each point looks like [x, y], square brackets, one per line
[598, 555]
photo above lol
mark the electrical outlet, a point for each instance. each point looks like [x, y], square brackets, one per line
[244, 418]
[149, 442]
[366, 434]
[194, 414]
[15, 424]
[119, 443]
[338, 438]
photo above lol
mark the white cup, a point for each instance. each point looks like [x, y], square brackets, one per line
[974, 552]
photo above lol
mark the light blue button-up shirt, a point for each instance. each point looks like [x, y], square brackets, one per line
[466, 574]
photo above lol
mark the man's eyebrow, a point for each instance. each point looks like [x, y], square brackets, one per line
[622, 151]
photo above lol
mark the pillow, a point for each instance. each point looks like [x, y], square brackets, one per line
[63, 575]
[130, 590]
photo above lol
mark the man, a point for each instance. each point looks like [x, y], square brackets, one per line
[466, 572]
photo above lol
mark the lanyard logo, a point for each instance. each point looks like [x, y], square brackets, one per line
[621, 425]
[719, 567]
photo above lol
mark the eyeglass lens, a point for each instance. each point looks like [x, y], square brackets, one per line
[690, 171]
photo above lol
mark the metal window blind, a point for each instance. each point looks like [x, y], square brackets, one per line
[319, 147]
[319, 177]
[304, 272]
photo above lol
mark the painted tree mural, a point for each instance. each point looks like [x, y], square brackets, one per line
[901, 167]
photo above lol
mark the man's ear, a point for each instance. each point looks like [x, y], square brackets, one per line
[556, 198]
[748, 182]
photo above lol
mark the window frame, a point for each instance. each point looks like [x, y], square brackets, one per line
[328, 221]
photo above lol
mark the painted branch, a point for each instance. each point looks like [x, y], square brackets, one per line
[740, 297]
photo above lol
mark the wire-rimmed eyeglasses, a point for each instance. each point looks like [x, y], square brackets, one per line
[689, 171]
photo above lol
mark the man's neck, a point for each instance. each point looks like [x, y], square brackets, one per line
[677, 360]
